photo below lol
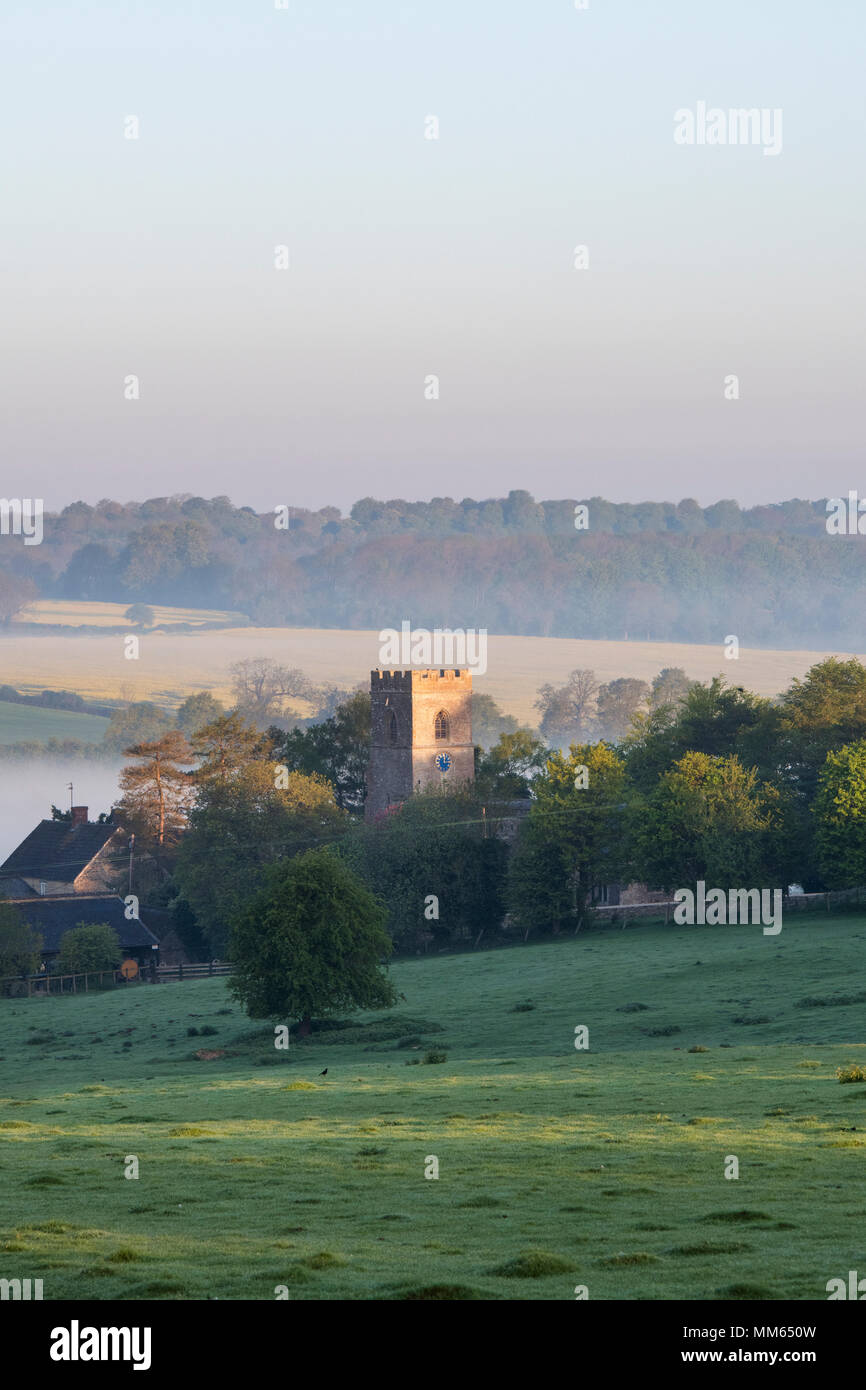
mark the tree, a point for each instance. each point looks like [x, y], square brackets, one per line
[337, 749]
[567, 711]
[505, 772]
[20, 946]
[140, 614]
[669, 687]
[261, 688]
[840, 815]
[310, 942]
[197, 711]
[240, 824]
[156, 790]
[488, 720]
[618, 703]
[711, 818]
[88, 947]
[573, 841]
[225, 746]
[138, 722]
[435, 865]
[712, 718]
[824, 711]
[15, 593]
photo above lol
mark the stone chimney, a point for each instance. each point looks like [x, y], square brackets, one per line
[79, 815]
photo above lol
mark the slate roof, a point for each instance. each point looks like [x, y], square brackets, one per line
[16, 888]
[57, 850]
[52, 917]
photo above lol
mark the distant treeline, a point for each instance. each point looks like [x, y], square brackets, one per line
[55, 699]
[654, 570]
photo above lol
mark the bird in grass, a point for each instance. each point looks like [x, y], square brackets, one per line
[324, 1073]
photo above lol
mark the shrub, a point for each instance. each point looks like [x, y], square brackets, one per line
[533, 1264]
[852, 1073]
[325, 1259]
[88, 947]
[432, 1057]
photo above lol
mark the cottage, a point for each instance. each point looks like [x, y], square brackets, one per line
[61, 857]
[68, 873]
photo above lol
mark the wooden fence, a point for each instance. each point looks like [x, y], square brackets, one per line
[17, 986]
[200, 971]
[30, 986]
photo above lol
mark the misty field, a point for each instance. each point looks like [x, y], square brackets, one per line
[79, 612]
[173, 665]
[557, 1167]
[22, 722]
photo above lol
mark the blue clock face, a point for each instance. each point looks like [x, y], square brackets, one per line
[443, 761]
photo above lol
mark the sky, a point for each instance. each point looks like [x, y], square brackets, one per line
[411, 258]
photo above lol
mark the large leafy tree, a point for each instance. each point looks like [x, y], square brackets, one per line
[573, 840]
[263, 687]
[824, 711]
[618, 703]
[240, 824]
[310, 942]
[505, 772]
[568, 711]
[669, 687]
[337, 749]
[436, 865]
[840, 817]
[711, 818]
[197, 711]
[712, 718]
[138, 722]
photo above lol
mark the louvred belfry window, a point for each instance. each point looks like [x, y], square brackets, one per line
[442, 729]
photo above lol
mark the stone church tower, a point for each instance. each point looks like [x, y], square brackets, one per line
[421, 734]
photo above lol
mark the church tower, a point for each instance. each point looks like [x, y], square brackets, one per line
[421, 734]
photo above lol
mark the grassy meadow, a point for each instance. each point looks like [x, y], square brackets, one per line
[557, 1167]
[21, 722]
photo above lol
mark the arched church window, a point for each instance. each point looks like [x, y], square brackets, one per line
[392, 727]
[442, 728]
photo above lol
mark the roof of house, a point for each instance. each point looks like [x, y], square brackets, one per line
[53, 917]
[57, 851]
[16, 888]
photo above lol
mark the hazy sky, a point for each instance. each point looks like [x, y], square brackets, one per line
[409, 257]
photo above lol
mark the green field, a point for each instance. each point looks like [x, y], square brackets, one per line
[21, 723]
[256, 1172]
